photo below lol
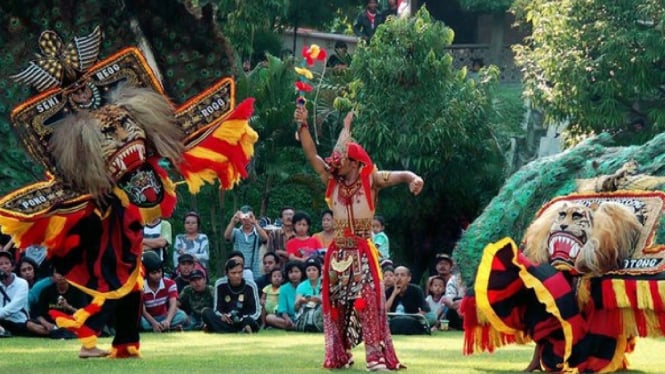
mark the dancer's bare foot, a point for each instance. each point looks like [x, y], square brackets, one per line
[92, 353]
[534, 365]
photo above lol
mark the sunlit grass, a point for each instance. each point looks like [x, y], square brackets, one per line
[276, 352]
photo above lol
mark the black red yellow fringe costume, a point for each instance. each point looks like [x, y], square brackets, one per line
[581, 324]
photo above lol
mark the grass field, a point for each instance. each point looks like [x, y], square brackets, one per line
[277, 352]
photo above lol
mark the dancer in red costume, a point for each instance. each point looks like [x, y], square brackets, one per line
[353, 296]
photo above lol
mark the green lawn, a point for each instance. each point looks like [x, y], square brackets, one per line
[276, 352]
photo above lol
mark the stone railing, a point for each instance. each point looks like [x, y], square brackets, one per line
[462, 53]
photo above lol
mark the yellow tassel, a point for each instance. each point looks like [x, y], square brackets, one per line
[89, 342]
[126, 288]
[134, 351]
[208, 154]
[644, 296]
[619, 288]
[583, 293]
[661, 291]
[80, 316]
[628, 322]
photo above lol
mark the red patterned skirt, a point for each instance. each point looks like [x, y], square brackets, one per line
[354, 306]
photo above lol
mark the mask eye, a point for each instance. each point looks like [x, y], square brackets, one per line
[107, 130]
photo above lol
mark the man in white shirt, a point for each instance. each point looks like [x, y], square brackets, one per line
[13, 299]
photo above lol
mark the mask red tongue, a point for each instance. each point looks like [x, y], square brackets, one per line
[560, 249]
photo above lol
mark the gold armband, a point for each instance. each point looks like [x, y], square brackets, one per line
[385, 175]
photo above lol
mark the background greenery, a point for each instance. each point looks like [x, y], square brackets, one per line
[454, 129]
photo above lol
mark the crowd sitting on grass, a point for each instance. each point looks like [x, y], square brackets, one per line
[284, 293]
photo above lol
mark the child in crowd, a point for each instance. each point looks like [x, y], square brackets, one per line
[388, 277]
[380, 238]
[286, 313]
[302, 246]
[270, 294]
[436, 287]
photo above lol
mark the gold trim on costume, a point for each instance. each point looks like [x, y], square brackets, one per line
[385, 175]
[341, 266]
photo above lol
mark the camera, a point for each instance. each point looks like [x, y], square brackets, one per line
[3, 275]
[235, 317]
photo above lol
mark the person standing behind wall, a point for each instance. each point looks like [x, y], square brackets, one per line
[368, 21]
[247, 238]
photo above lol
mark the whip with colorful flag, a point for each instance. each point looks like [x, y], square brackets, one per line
[303, 85]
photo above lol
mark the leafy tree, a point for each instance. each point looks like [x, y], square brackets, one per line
[418, 112]
[597, 64]
[248, 23]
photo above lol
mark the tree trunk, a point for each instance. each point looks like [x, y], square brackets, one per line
[265, 199]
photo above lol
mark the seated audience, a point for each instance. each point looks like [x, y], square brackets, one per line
[37, 289]
[443, 265]
[435, 291]
[388, 277]
[247, 274]
[308, 298]
[270, 262]
[326, 235]
[185, 268]
[192, 241]
[279, 238]
[409, 313]
[270, 295]
[380, 238]
[286, 313]
[157, 237]
[160, 298]
[27, 269]
[194, 298]
[302, 246]
[59, 296]
[455, 290]
[14, 318]
[236, 306]
[37, 253]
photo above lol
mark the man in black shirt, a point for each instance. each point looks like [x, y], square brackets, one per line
[236, 307]
[62, 297]
[409, 313]
[368, 21]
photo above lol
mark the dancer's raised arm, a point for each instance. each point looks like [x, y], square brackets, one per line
[308, 145]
